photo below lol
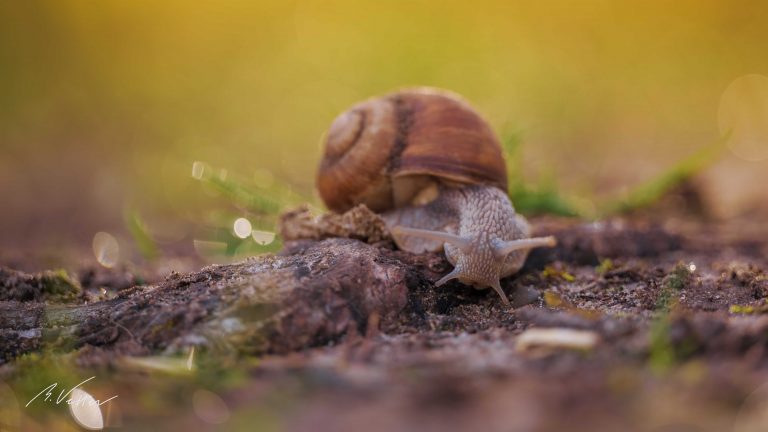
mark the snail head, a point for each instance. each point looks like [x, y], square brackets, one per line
[479, 260]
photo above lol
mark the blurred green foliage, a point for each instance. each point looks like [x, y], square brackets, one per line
[141, 235]
[261, 203]
[544, 196]
[651, 191]
[528, 196]
[108, 103]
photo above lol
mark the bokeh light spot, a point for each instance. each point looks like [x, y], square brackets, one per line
[743, 112]
[209, 407]
[106, 249]
[85, 410]
[242, 228]
[198, 169]
[263, 237]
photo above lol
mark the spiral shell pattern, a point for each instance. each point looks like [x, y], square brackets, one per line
[408, 134]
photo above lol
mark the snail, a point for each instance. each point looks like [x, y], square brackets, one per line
[433, 168]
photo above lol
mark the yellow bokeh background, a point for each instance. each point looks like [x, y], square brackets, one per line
[106, 104]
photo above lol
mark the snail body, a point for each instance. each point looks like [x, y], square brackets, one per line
[434, 169]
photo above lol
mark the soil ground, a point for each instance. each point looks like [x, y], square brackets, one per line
[660, 315]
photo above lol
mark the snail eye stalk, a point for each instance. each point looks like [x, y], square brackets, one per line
[504, 248]
[459, 242]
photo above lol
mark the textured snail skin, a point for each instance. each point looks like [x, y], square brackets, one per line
[490, 242]
[393, 151]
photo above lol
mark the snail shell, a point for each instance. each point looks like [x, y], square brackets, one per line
[382, 152]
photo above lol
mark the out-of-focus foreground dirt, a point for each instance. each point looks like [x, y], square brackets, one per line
[658, 325]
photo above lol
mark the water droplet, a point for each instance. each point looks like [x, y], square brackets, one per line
[263, 237]
[106, 249]
[242, 228]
